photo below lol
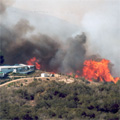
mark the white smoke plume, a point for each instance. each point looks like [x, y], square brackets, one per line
[102, 27]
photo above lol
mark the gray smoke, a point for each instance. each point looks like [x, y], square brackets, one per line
[20, 44]
[4, 4]
[72, 55]
[51, 52]
[2, 7]
[18, 48]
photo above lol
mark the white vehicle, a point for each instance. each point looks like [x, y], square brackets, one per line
[44, 75]
[47, 75]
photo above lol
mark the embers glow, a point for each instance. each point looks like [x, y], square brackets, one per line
[34, 61]
[76, 74]
[98, 71]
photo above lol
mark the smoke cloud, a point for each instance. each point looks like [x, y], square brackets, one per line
[102, 27]
[52, 53]
[72, 55]
[4, 4]
[18, 48]
[20, 44]
[101, 39]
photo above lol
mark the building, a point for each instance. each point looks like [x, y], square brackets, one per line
[2, 74]
[47, 75]
[20, 68]
[23, 69]
[6, 69]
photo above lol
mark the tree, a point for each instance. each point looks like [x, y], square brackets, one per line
[1, 59]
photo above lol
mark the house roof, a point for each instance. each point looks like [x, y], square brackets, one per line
[16, 66]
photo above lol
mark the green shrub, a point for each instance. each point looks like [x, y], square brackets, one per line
[53, 100]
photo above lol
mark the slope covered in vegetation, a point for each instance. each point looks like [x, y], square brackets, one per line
[43, 100]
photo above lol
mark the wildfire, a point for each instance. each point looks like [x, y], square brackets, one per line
[34, 61]
[92, 70]
[98, 71]
[76, 74]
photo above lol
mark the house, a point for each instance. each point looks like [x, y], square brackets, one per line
[20, 68]
[2, 74]
[6, 69]
[23, 69]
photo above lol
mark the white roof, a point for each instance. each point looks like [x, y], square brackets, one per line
[5, 66]
[16, 66]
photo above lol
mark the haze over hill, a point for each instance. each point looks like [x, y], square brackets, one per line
[43, 23]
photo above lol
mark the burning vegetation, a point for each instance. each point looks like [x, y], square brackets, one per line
[34, 61]
[92, 70]
[98, 71]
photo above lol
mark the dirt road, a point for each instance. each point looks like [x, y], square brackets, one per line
[16, 81]
[28, 79]
[31, 79]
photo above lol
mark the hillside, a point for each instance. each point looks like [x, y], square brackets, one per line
[53, 99]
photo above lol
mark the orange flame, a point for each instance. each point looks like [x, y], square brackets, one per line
[76, 76]
[98, 70]
[70, 73]
[91, 70]
[34, 61]
[52, 72]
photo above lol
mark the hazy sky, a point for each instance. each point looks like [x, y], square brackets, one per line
[70, 10]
